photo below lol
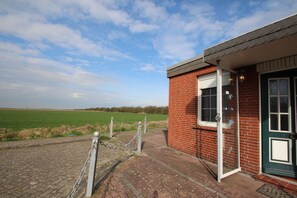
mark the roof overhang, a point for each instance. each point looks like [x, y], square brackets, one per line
[186, 66]
[273, 41]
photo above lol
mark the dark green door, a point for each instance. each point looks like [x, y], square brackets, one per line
[278, 93]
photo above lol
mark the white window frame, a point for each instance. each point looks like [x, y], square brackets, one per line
[205, 82]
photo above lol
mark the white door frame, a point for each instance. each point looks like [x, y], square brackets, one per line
[220, 174]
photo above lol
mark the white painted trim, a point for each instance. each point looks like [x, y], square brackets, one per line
[231, 172]
[209, 81]
[295, 99]
[238, 121]
[219, 124]
[290, 149]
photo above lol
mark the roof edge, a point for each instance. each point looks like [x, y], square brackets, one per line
[186, 66]
[185, 62]
[248, 32]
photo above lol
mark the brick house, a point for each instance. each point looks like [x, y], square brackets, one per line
[235, 105]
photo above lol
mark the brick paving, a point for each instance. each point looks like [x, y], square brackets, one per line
[47, 167]
[164, 172]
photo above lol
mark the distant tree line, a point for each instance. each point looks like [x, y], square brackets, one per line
[148, 109]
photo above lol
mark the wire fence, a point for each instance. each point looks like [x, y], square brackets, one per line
[116, 125]
[101, 158]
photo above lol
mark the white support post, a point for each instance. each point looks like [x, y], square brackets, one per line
[111, 127]
[219, 123]
[144, 125]
[139, 139]
[92, 167]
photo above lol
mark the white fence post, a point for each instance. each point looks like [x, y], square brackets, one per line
[92, 167]
[139, 139]
[144, 125]
[111, 127]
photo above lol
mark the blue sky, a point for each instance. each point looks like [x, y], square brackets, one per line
[88, 53]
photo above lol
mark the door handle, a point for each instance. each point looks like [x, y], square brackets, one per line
[293, 136]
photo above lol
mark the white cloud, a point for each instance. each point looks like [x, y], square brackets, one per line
[266, 13]
[31, 77]
[148, 68]
[148, 9]
[6, 47]
[113, 35]
[174, 46]
[138, 27]
[77, 95]
[33, 29]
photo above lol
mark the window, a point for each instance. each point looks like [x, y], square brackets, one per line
[209, 104]
[207, 99]
[279, 104]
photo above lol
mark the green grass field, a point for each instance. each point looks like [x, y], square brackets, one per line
[17, 120]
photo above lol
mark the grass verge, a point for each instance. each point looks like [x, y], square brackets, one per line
[66, 131]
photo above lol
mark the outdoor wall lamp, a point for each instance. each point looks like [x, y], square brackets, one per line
[242, 75]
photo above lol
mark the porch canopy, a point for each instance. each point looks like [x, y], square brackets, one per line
[277, 41]
[274, 41]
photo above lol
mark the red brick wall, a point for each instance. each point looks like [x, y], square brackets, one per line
[185, 135]
[183, 117]
[249, 121]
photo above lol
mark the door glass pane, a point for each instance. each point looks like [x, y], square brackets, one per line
[274, 122]
[283, 86]
[230, 131]
[273, 104]
[273, 87]
[284, 106]
[284, 122]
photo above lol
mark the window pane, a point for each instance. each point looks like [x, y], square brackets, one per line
[205, 92]
[284, 107]
[205, 115]
[283, 87]
[206, 102]
[284, 122]
[273, 104]
[213, 91]
[213, 102]
[273, 87]
[213, 115]
[273, 122]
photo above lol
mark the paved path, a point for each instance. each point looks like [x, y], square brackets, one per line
[49, 168]
[46, 167]
[164, 172]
